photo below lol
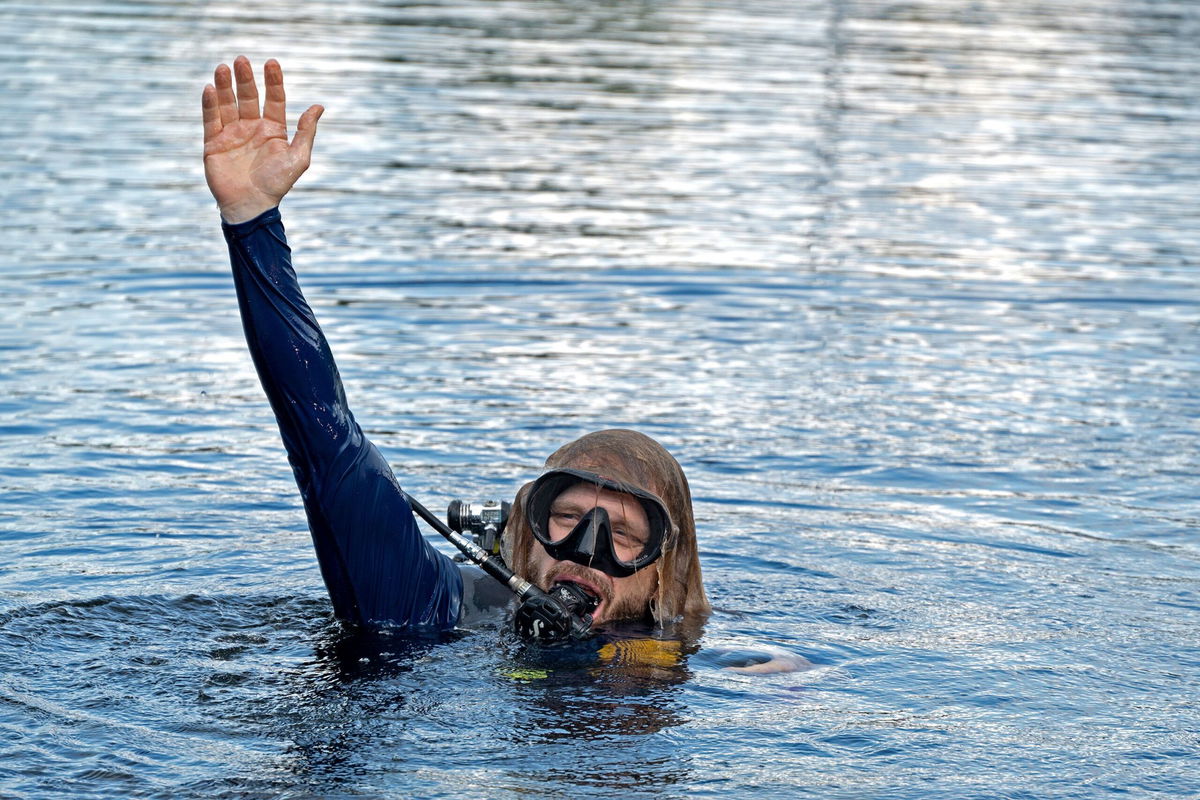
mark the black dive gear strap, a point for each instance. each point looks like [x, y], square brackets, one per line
[544, 617]
[593, 542]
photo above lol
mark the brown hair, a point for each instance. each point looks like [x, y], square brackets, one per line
[633, 458]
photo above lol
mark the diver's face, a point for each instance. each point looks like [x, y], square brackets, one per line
[620, 598]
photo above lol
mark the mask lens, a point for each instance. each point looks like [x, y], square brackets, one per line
[628, 545]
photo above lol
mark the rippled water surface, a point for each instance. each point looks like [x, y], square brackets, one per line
[910, 289]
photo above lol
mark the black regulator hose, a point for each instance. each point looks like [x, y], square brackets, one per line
[545, 617]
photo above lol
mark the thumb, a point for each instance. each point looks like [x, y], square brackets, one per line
[306, 131]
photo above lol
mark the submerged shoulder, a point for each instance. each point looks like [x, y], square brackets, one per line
[484, 598]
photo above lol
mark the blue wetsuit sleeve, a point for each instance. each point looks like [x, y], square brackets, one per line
[377, 566]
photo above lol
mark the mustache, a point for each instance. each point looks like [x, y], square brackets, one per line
[601, 582]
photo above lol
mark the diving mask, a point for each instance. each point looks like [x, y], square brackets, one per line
[593, 541]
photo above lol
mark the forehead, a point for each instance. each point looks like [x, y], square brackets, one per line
[587, 495]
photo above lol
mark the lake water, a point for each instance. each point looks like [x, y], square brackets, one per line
[910, 289]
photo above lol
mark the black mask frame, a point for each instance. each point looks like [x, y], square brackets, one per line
[590, 542]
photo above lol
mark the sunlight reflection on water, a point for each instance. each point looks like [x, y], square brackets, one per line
[910, 290]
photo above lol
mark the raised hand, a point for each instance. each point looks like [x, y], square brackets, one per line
[248, 162]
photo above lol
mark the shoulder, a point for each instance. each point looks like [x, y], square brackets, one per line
[483, 597]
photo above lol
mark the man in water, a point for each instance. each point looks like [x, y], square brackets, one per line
[612, 513]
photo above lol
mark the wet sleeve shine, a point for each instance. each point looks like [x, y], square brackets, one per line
[377, 566]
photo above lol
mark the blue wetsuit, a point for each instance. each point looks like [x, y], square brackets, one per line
[377, 566]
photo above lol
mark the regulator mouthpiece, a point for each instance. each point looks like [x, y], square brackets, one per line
[565, 612]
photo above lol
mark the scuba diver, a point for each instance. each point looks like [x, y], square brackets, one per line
[606, 533]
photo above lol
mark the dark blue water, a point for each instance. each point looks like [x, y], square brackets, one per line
[910, 289]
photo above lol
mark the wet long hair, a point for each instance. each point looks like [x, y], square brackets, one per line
[636, 459]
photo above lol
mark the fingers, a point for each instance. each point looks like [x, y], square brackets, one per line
[275, 109]
[223, 106]
[212, 114]
[306, 131]
[226, 99]
[247, 91]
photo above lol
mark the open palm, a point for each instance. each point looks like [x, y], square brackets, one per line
[248, 162]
